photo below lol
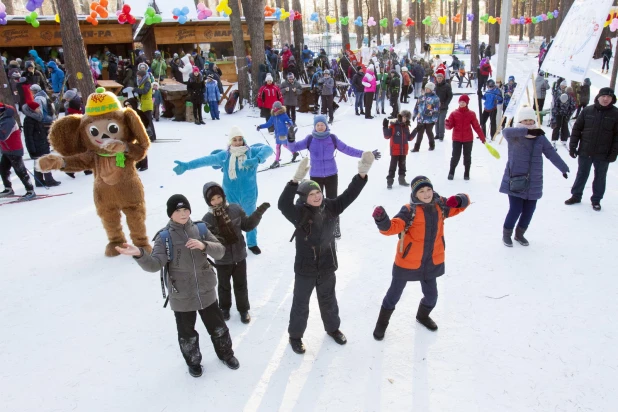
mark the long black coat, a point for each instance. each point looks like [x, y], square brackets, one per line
[196, 87]
[315, 226]
[35, 134]
[595, 132]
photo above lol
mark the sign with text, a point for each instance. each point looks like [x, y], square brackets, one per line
[516, 98]
[202, 34]
[24, 35]
[442, 48]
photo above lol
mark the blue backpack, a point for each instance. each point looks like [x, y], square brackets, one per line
[169, 250]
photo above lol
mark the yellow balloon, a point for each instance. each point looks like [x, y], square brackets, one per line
[331, 20]
[57, 18]
[492, 20]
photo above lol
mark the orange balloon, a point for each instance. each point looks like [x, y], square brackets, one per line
[103, 3]
[499, 20]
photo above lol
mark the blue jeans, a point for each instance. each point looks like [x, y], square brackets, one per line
[418, 89]
[380, 100]
[583, 171]
[214, 109]
[429, 288]
[521, 209]
[359, 102]
[440, 124]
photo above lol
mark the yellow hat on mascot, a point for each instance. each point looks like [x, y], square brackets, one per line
[102, 102]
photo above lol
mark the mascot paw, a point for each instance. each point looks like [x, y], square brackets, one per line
[50, 162]
[110, 249]
[114, 146]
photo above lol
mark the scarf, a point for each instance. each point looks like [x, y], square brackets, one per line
[236, 153]
[120, 158]
[146, 77]
[224, 224]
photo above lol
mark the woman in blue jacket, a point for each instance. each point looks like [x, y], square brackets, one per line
[527, 144]
[239, 166]
[492, 98]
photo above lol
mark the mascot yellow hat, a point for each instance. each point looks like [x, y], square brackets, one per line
[102, 102]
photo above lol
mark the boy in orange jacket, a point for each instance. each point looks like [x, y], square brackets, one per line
[420, 250]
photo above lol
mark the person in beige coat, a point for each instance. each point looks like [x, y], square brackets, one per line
[181, 251]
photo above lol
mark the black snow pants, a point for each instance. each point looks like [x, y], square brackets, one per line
[225, 274]
[329, 310]
[17, 163]
[189, 339]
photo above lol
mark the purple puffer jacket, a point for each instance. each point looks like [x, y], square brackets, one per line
[322, 152]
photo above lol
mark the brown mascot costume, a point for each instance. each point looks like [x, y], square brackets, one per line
[108, 140]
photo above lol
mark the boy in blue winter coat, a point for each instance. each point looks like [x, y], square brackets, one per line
[426, 113]
[280, 120]
[492, 98]
[157, 100]
[212, 95]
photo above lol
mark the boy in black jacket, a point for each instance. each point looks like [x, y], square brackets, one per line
[314, 218]
[226, 222]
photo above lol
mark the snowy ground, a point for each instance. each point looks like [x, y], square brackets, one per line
[521, 329]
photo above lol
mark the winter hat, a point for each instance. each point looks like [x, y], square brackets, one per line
[290, 75]
[268, 77]
[157, 52]
[211, 189]
[320, 118]
[419, 182]
[491, 84]
[511, 78]
[155, 84]
[29, 64]
[177, 202]
[210, 77]
[236, 131]
[70, 94]
[305, 188]
[22, 80]
[606, 91]
[141, 73]
[326, 71]
[277, 105]
[101, 102]
[563, 83]
[431, 86]
[564, 97]
[526, 113]
[35, 88]
[196, 69]
[464, 98]
[33, 105]
[404, 69]
[175, 55]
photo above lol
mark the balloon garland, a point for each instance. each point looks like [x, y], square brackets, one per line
[32, 19]
[223, 7]
[180, 14]
[125, 16]
[2, 14]
[153, 18]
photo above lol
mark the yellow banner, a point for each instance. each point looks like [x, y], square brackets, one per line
[442, 48]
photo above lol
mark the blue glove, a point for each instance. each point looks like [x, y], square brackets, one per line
[251, 163]
[181, 167]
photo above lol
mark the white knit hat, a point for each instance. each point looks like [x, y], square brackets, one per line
[431, 86]
[526, 113]
[236, 131]
[268, 77]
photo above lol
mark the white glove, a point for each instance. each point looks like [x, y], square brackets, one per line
[365, 163]
[301, 171]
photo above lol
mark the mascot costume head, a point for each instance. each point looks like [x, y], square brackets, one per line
[108, 140]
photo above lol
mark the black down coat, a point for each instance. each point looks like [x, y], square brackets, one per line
[315, 226]
[595, 132]
[35, 134]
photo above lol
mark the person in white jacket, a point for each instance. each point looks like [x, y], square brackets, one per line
[186, 69]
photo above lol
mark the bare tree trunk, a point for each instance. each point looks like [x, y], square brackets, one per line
[612, 82]
[326, 13]
[358, 11]
[400, 15]
[239, 52]
[491, 9]
[337, 17]
[423, 38]
[531, 29]
[464, 22]
[9, 7]
[255, 23]
[287, 25]
[85, 7]
[412, 29]
[389, 15]
[298, 26]
[521, 26]
[75, 57]
[376, 16]
[474, 37]
[345, 29]
[6, 95]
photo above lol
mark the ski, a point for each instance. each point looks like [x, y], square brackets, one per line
[280, 166]
[18, 199]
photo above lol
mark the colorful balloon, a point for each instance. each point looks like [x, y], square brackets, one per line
[470, 16]
[268, 11]
[2, 14]
[203, 12]
[359, 21]
[314, 17]
[384, 22]
[344, 21]
[32, 5]
[613, 26]
[427, 21]
[371, 22]
[223, 7]
[180, 14]
[331, 20]
[32, 19]
[410, 22]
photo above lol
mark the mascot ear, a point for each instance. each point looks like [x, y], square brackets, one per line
[65, 135]
[138, 131]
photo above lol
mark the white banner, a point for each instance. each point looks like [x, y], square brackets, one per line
[571, 52]
[518, 48]
[517, 97]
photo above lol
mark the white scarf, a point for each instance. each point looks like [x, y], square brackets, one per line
[236, 153]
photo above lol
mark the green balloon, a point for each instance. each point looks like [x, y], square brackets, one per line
[157, 19]
[34, 15]
[149, 20]
[28, 19]
[35, 24]
[150, 11]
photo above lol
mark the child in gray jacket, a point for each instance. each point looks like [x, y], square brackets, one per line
[181, 250]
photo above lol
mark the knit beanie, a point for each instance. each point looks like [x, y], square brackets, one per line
[526, 113]
[35, 88]
[419, 182]
[431, 86]
[33, 105]
[196, 69]
[70, 94]
[277, 105]
[606, 91]
[211, 189]
[268, 77]
[464, 98]
[16, 75]
[177, 202]
[320, 118]
[305, 188]
[563, 83]
[101, 102]
[236, 131]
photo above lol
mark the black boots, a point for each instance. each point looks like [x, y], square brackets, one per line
[382, 323]
[506, 237]
[422, 317]
[231, 363]
[297, 346]
[245, 317]
[195, 370]
[226, 314]
[49, 181]
[294, 156]
[519, 236]
[255, 250]
[39, 179]
[402, 181]
[389, 183]
[467, 172]
[572, 200]
[338, 337]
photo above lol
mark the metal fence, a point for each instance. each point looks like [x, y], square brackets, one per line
[332, 48]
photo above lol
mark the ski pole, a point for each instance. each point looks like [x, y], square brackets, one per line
[265, 138]
[35, 178]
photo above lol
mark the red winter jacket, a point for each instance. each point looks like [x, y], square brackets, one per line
[285, 58]
[399, 134]
[462, 121]
[268, 95]
[12, 145]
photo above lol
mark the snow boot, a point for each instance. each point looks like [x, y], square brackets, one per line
[389, 183]
[467, 173]
[519, 236]
[362, 112]
[506, 237]
[226, 314]
[402, 181]
[6, 193]
[245, 317]
[383, 112]
[190, 349]
[29, 195]
[382, 323]
[39, 179]
[49, 180]
[572, 200]
[596, 206]
[451, 174]
[275, 164]
[231, 363]
[422, 317]
[415, 150]
[338, 337]
[432, 147]
[368, 117]
[357, 113]
[195, 370]
[71, 175]
[255, 250]
[294, 156]
[297, 346]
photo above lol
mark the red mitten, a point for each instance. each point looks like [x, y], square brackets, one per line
[378, 213]
[453, 202]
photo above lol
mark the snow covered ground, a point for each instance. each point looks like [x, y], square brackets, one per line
[521, 329]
